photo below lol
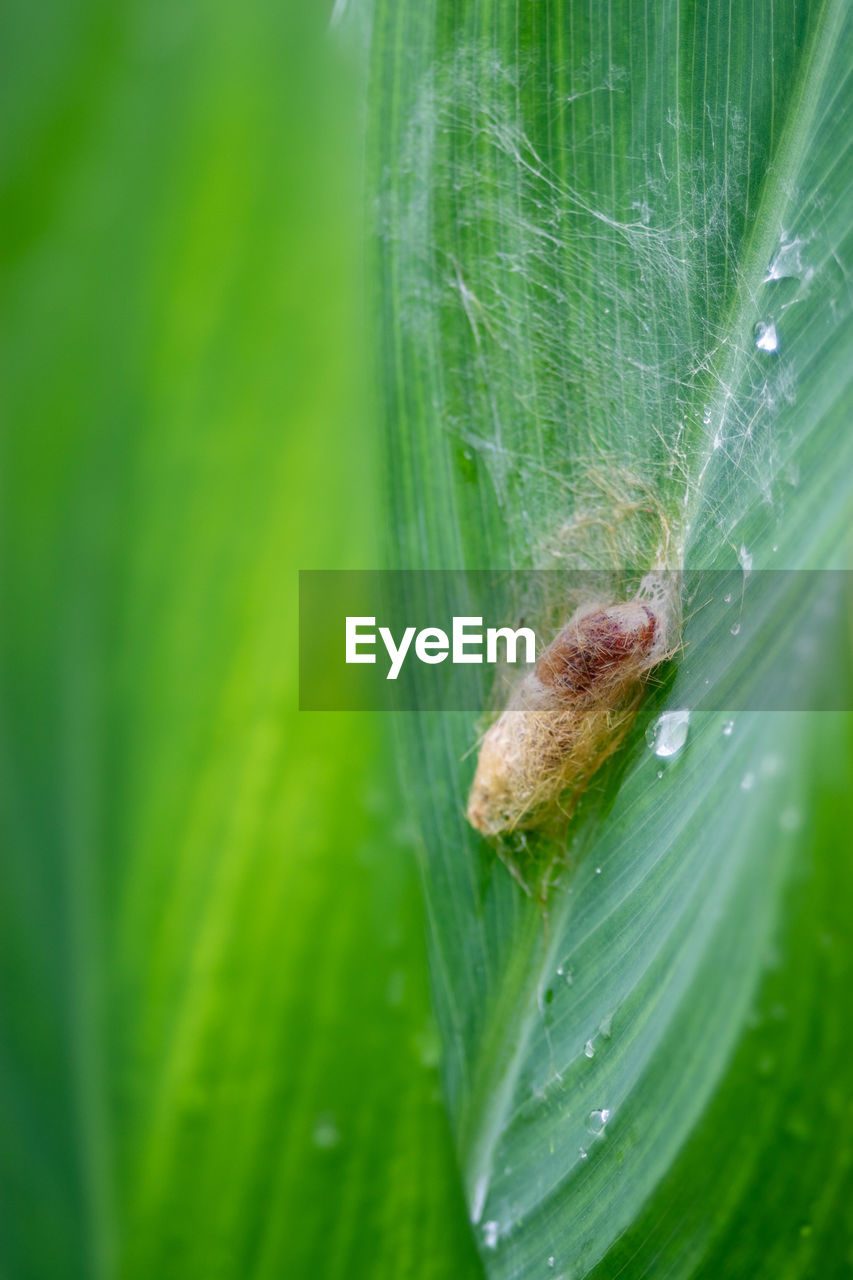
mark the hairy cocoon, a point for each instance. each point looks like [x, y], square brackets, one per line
[569, 714]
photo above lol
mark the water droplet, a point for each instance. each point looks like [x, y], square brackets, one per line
[598, 871]
[582, 1153]
[668, 734]
[745, 559]
[551, 1261]
[589, 1049]
[727, 598]
[735, 630]
[766, 337]
[728, 728]
[325, 1134]
[787, 261]
[597, 1120]
[490, 1235]
[747, 782]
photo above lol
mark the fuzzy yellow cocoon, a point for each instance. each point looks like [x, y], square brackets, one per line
[566, 717]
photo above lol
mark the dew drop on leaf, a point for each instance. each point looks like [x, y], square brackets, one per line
[766, 337]
[787, 261]
[598, 1120]
[668, 734]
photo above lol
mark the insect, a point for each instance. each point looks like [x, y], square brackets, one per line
[568, 715]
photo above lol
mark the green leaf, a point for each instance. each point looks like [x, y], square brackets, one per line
[615, 255]
[216, 1049]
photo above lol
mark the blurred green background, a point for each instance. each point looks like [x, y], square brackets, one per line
[215, 1047]
[217, 1056]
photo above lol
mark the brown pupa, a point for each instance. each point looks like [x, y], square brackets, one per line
[566, 717]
